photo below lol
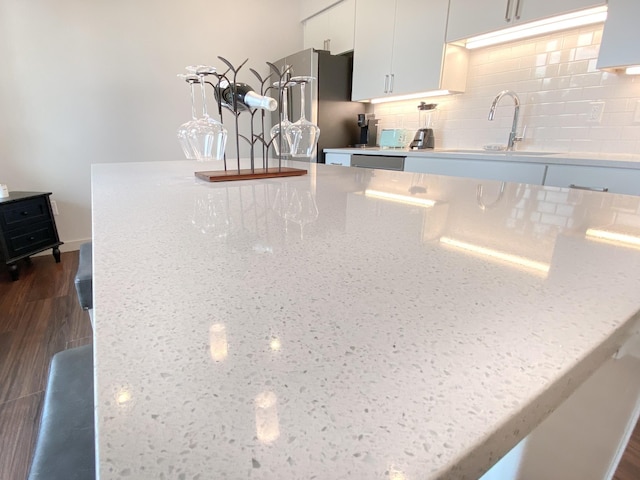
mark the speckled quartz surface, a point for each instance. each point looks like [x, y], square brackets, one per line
[309, 328]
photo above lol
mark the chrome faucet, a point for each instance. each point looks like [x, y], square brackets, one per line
[513, 135]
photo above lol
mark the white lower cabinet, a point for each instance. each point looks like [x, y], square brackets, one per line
[614, 180]
[586, 436]
[481, 169]
[343, 159]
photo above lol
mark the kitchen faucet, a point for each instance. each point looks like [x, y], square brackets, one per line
[513, 136]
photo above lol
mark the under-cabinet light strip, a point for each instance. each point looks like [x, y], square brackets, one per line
[554, 24]
[397, 98]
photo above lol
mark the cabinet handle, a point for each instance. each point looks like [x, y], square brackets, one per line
[32, 238]
[507, 16]
[386, 83]
[518, 5]
[335, 163]
[25, 213]
[393, 77]
[591, 189]
[329, 44]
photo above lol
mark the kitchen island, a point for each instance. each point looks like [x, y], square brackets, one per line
[346, 324]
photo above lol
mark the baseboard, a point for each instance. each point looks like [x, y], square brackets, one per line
[67, 246]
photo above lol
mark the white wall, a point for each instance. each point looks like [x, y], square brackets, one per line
[556, 80]
[85, 82]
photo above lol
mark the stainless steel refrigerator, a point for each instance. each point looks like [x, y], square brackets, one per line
[328, 98]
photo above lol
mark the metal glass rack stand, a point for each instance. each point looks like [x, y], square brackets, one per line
[229, 77]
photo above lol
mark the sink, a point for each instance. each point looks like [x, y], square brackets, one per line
[496, 152]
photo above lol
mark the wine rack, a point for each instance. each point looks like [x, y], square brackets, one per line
[257, 140]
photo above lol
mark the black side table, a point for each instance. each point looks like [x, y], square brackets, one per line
[26, 227]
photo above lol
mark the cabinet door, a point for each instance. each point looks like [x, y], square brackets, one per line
[482, 169]
[615, 180]
[474, 17]
[373, 48]
[316, 31]
[342, 21]
[418, 49]
[620, 32]
[469, 18]
[530, 10]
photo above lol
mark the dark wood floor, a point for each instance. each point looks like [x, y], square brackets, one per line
[40, 316]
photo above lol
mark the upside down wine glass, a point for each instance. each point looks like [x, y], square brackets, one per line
[288, 146]
[207, 136]
[307, 131]
[183, 130]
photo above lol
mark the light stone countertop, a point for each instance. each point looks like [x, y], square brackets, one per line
[297, 328]
[616, 160]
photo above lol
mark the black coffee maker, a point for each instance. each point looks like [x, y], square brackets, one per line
[424, 137]
[368, 130]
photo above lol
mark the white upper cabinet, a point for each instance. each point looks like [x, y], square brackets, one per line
[397, 53]
[308, 8]
[332, 29]
[373, 48]
[621, 36]
[468, 18]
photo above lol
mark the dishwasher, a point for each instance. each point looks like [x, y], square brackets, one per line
[384, 162]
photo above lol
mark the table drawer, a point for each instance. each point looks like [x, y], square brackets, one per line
[25, 212]
[29, 239]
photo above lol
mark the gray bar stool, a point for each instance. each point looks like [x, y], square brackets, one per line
[65, 449]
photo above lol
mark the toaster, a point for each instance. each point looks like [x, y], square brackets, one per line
[393, 138]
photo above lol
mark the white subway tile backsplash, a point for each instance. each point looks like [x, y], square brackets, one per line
[582, 53]
[556, 79]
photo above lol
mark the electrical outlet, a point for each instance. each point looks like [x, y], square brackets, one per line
[595, 112]
[54, 207]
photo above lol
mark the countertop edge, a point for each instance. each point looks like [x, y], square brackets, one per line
[612, 160]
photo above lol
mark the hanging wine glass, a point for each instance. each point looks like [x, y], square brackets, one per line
[183, 130]
[282, 141]
[306, 130]
[207, 135]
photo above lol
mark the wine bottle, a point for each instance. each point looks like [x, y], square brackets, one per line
[245, 97]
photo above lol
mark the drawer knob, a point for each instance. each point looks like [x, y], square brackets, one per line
[25, 213]
[32, 238]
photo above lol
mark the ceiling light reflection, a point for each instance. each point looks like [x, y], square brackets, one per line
[635, 70]
[275, 344]
[395, 474]
[267, 424]
[395, 197]
[218, 347]
[511, 259]
[123, 396]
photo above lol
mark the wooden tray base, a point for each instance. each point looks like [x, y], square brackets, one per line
[248, 174]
